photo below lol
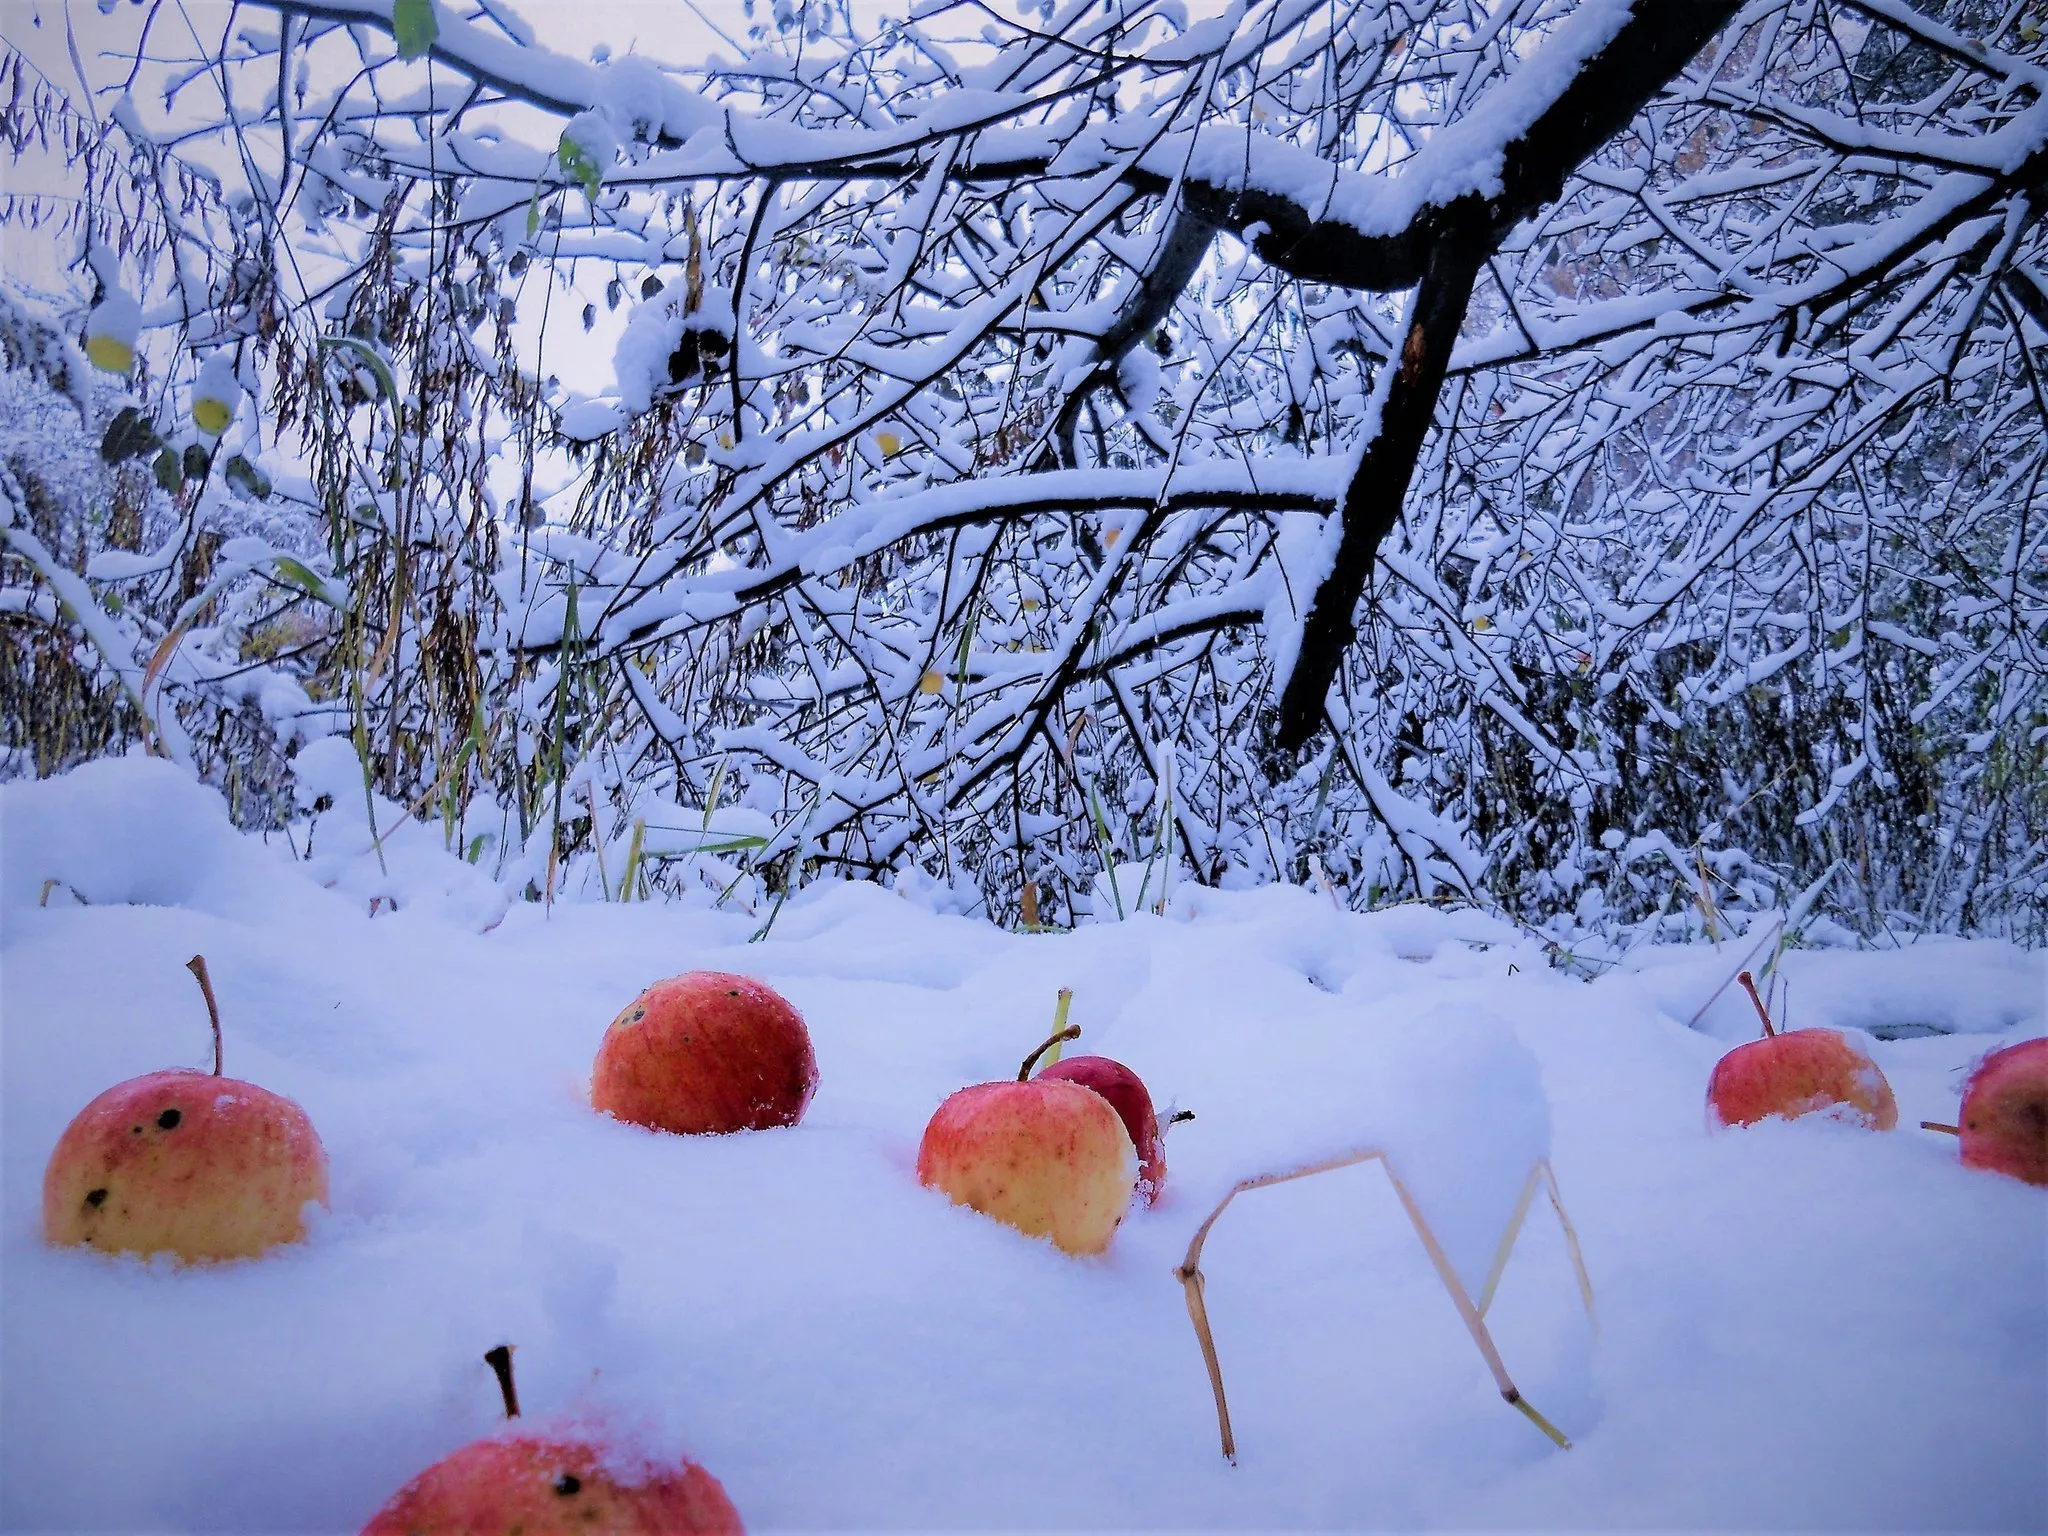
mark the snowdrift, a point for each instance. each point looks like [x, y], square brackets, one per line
[1800, 1325]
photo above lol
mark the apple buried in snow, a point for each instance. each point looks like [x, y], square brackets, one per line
[2005, 1112]
[184, 1162]
[706, 1053]
[1129, 1097]
[1799, 1072]
[553, 1485]
[1044, 1155]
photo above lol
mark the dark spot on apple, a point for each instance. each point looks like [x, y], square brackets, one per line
[732, 992]
[568, 1483]
[168, 1120]
[96, 1198]
[135, 1130]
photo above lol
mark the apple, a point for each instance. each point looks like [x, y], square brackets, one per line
[703, 1054]
[1044, 1155]
[1048, 1157]
[1799, 1072]
[185, 1162]
[542, 1485]
[2005, 1112]
[1126, 1093]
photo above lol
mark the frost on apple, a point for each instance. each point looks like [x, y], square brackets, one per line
[563, 1480]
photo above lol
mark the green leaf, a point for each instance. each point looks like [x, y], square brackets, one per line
[304, 578]
[733, 844]
[415, 27]
[583, 170]
[170, 471]
[370, 358]
[129, 436]
[247, 478]
[196, 461]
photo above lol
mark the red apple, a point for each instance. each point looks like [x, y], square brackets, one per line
[706, 1053]
[185, 1162]
[553, 1485]
[1126, 1093]
[1044, 1155]
[1799, 1072]
[2005, 1112]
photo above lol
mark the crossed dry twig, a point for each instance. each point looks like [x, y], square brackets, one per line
[1472, 1313]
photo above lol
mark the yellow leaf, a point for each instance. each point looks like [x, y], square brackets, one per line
[212, 416]
[110, 354]
[1482, 623]
[931, 682]
[890, 444]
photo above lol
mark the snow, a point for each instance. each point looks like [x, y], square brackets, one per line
[216, 383]
[117, 318]
[1801, 1325]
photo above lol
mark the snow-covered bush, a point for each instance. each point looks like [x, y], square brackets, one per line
[1577, 457]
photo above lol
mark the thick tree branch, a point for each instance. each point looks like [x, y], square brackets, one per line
[1452, 243]
[1150, 300]
[1372, 501]
[1648, 51]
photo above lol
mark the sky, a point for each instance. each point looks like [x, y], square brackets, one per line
[674, 31]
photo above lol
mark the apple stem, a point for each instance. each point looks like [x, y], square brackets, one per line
[1179, 1115]
[1936, 1125]
[1749, 985]
[197, 966]
[1052, 1042]
[500, 1361]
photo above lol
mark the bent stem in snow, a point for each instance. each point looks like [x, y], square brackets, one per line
[1936, 1125]
[1062, 1032]
[1190, 1276]
[1749, 985]
[197, 966]
[500, 1362]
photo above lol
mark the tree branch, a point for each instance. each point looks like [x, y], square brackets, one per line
[1372, 501]
[1453, 241]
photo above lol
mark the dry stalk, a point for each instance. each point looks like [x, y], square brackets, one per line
[1471, 1314]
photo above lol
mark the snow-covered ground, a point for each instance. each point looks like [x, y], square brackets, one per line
[1800, 1325]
